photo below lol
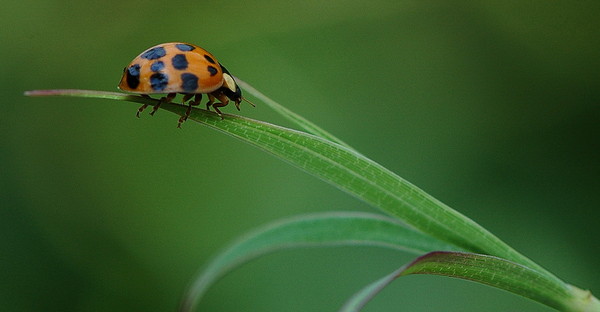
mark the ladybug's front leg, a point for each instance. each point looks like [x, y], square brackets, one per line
[211, 102]
[216, 106]
[221, 97]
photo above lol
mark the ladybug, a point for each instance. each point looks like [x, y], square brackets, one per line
[178, 67]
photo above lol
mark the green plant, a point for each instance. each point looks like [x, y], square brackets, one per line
[447, 242]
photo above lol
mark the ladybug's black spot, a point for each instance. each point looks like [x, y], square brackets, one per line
[133, 76]
[159, 81]
[184, 47]
[179, 62]
[212, 70]
[157, 66]
[134, 70]
[210, 59]
[154, 53]
[189, 82]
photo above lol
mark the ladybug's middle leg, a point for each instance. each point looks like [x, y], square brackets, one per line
[211, 100]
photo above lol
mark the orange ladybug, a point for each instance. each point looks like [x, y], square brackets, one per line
[178, 67]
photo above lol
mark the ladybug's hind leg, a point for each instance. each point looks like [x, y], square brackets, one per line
[143, 107]
[195, 102]
[164, 99]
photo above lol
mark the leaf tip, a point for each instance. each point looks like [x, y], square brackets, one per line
[40, 92]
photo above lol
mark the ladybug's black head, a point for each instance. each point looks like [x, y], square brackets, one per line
[230, 88]
[235, 96]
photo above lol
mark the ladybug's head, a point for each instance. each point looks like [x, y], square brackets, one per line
[231, 89]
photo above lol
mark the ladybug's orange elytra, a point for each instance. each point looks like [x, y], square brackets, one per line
[179, 67]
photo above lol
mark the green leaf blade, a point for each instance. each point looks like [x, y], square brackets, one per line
[364, 179]
[489, 270]
[495, 272]
[307, 125]
[327, 229]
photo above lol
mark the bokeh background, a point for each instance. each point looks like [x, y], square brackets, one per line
[491, 106]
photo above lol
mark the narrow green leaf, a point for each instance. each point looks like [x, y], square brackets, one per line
[363, 178]
[489, 270]
[88, 94]
[326, 229]
[347, 170]
[295, 118]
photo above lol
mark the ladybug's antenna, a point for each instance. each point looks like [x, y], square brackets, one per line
[243, 98]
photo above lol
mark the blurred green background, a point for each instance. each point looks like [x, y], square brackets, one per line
[492, 107]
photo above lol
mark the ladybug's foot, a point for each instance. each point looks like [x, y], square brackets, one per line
[216, 107]
[140, 110]
[218, 112]
[183, 118]
[155, 108]
[195, 102]
[143, 107]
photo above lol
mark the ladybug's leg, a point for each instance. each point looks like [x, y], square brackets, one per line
[211, 100]
[224, 101]
[196, 101]
[186, 97]
[143, 107]
[164, 99]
